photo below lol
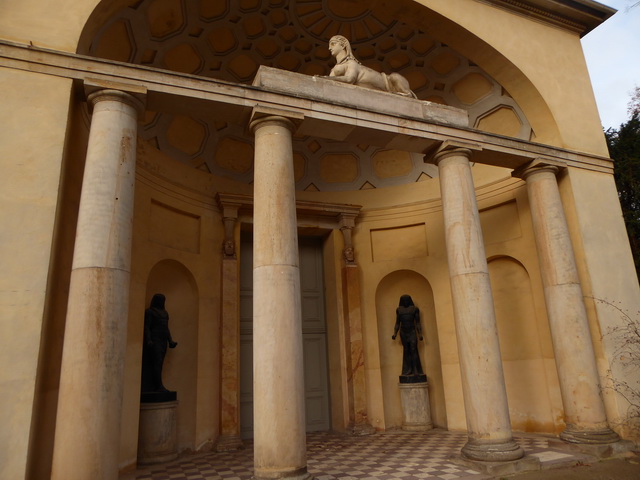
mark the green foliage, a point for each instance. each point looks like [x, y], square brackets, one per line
[624, 148]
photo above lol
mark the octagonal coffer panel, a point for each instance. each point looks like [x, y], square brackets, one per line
[229, 40]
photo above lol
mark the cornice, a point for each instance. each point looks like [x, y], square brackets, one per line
[580, 16]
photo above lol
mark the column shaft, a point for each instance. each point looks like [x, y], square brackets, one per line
[356, 381]
[229, 438]
[278, 375]
[87, 435]
[230, 374]
[575, 358]
[485, 397]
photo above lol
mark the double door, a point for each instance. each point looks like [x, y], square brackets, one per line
[314, 336]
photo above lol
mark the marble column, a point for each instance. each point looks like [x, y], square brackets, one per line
[87, 438]
[575, 358]
[278, 371]
[485, 396]
[356, 383]
[230, 373]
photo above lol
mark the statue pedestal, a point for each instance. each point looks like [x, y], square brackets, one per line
[415, 406]
[157, 435]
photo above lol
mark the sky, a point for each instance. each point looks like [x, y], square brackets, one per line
[612, 51]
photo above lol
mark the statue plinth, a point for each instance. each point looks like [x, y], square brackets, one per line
[158, 397]
[418, 378]
[416, 413]
[157, 435]
[326, 90]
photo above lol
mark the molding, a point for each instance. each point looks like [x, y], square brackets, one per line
[580, 16]
[321, 213]
[192, 95]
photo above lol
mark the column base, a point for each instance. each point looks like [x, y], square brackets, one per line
[599, 450]
[524, 464]
[228, 443]
[300, 474]
[571, 434]
[361, 429]
[492, 451]
[416, 413]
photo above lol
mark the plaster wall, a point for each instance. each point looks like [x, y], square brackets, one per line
[608, 279]
[29, 189]
[177, 243]
[541, 66]
[403, 247]
[547, 78]
[537, 63]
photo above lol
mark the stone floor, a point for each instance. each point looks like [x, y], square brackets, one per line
[393, 455]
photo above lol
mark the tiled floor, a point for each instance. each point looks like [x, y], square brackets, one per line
[391, 455]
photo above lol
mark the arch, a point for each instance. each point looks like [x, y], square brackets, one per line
[389, 290]
[489, 58]
[425, 37]
[178, 284]
[527, 352]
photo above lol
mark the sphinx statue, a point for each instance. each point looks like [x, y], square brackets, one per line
[349, 70]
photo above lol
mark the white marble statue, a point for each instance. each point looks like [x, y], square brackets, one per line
[349, 70]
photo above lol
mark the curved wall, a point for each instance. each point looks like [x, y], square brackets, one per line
[527, 351]
[387, 296]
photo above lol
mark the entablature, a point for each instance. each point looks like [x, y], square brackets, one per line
[199, 96]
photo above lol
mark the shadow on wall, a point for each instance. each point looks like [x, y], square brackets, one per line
[388, 295]
[176, 282]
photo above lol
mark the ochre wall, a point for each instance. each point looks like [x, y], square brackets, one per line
[29, 188]
[177, 251]
[541, 66]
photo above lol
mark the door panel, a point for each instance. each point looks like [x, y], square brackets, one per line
[314, 336]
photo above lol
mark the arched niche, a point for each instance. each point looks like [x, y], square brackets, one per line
[177, 283]
[527, 352]
[388, 293]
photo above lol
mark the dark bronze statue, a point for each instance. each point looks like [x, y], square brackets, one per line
[408, 323]
[156, 339]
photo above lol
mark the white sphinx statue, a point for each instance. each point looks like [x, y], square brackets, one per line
[349, 70]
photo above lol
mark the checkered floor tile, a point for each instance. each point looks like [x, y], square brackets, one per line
[384, 456]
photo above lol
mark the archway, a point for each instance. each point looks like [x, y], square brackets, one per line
[389, 290]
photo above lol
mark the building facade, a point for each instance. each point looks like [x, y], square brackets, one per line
[193, 149]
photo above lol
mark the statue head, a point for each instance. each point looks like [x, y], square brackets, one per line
[406, 301]
[229, 248]
[349, 254]
[344, 43]
[158, 301]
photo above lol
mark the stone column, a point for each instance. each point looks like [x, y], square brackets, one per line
[87, 438]
[230, 373]
[485, 396]
[278, 374]
[575, 358]
[356, 384]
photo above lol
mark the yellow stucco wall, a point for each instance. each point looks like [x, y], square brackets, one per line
[29, 190]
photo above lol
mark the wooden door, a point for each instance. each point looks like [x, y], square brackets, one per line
[314, 336]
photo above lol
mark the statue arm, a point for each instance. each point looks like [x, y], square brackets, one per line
[397, 326]
[172, 344]
[147, 328]
[418, 326]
